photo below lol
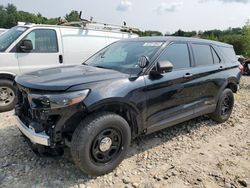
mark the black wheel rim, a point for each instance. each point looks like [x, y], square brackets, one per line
[106, 146]
[226, 105]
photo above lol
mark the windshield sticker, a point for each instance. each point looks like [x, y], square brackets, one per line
[152, 44]
[21, 29]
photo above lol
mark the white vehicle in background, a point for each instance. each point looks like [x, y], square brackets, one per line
[30, 47]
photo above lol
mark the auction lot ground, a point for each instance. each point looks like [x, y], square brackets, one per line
[197, 153]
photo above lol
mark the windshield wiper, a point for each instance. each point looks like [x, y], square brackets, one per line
[99, 66]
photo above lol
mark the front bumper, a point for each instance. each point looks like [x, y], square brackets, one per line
[37, 138]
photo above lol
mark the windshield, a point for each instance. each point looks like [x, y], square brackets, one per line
[10, 36]
[123, 56]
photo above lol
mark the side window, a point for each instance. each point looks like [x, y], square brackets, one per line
[230, 53]
[178, 55]
[202, 54]
[43, 40]
[217, 59]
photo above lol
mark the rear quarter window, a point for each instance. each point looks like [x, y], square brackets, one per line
[229, 53]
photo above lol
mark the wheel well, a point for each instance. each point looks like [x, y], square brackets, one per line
[7, 76]
[125, 111]
[233, 87]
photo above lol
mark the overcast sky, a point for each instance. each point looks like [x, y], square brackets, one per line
[162, 15]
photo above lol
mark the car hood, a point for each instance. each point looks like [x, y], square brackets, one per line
[62, 78]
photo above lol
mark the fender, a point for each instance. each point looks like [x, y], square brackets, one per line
[111, 101]
[230, 80]
[7, 75]
[122, 105]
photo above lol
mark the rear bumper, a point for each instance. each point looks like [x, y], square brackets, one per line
[37, 138]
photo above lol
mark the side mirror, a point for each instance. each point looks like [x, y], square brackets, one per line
[143, 61]
[26, 46]
[162, 67]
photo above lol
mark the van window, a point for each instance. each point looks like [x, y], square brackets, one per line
[202, 54]
[229, 53]
[178, 55]
[43, 40]
[7, 38]
[215, 56]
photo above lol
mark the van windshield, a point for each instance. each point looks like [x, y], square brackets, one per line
[7, 38]
[123, 56]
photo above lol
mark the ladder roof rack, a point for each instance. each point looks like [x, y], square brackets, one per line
[99, 25]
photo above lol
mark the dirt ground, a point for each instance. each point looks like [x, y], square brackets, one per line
[197, 153]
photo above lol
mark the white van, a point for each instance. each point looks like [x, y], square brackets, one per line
[31, 47]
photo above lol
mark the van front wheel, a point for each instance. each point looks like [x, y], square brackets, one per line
[7, 95]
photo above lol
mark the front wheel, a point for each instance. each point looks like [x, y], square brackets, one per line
[224, 106]
[100, 143]
[7, 95]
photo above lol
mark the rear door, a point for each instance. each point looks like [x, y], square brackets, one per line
[46, 53]
[205, 77]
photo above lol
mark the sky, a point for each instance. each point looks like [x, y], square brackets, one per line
[162, 15]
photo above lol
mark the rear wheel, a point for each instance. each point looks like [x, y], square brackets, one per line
[100, 143]
[7, 95]
[224, 106]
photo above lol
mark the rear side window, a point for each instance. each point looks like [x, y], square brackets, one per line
[229, 53]
[203, 55]
[178, 55]
[217, 59]
[43, 40]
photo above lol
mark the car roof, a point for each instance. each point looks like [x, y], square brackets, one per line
[179, 39]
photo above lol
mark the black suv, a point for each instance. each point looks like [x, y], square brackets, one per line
[132, 87]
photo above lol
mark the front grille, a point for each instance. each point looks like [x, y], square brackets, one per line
[24, 107]
[36, 115]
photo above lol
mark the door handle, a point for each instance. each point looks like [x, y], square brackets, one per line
[221, 67]
[188, 75]
[60, 59]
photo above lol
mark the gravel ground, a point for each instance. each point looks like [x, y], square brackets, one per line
[197, 153]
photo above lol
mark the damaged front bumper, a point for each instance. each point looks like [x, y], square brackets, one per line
[38, 138]
[42, 124]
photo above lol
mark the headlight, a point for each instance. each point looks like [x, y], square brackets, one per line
[67, 99]
[58, 100]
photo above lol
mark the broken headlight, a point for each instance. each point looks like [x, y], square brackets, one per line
[54, 101]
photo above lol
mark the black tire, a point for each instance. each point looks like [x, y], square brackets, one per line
[87, 139]
[7, 105]
[224, 107]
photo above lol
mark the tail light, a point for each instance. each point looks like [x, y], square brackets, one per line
[241, 68]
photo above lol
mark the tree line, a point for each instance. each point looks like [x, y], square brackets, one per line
[9, 16]
[238, 37]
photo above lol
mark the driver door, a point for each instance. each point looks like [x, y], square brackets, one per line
[169, 95]
[46, 51]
